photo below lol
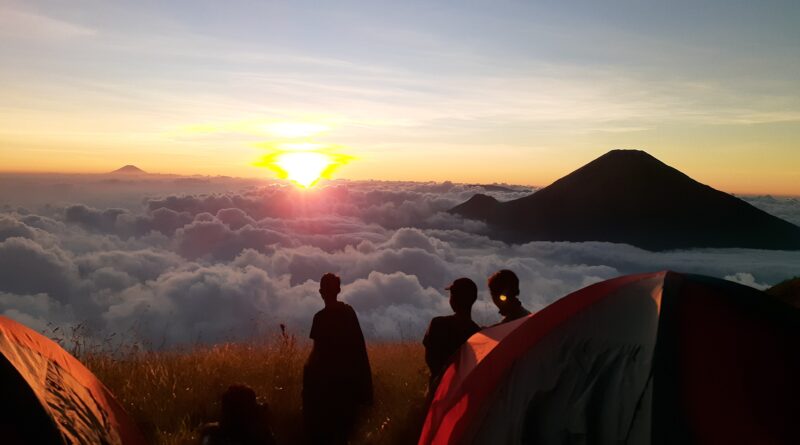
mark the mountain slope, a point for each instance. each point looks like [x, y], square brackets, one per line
[628, 196]
[130, 169]
[788, 291]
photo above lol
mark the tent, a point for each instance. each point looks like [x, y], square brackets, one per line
[659, 358]
[49, 397]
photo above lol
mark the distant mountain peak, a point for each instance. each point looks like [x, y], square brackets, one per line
[476, 207]
[624, 155]
[629, 196]
[629, 152]
[482, 199]
[130, 169]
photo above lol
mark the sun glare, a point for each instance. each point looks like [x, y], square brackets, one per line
[304, 168]
[296, 156]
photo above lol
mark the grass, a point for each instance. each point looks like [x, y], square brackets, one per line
[172, 393]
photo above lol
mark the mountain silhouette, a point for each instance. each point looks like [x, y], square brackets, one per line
[628, 196]
[130, 169]
[788, 291]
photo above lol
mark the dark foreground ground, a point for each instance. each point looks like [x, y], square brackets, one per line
[172, 393]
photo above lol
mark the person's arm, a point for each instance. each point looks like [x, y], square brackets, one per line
[429, 341]
[314, 327]
[365, 374]
[310, 373]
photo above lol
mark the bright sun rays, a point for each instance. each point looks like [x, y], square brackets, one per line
[304, 168]
[296, 157]
[292, 151]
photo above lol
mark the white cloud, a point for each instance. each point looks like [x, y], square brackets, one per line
[746, 279]
[208, 267]
[787, 208]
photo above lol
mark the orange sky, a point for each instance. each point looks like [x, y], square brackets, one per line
[406, 91]
[738, 166]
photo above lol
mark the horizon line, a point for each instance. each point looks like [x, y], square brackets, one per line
[147, 173]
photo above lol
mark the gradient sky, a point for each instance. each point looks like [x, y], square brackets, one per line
[519, 92]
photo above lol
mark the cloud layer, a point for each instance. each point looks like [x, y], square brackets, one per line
[235, 260]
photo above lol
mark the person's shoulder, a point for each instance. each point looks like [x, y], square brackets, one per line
[462, 325]
[319, 314]
[442, 320]
[515, 316]
[349, 310]
[434, 328]
[342, 312]
[446, 323]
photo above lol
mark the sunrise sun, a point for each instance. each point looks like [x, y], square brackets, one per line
[304, 168]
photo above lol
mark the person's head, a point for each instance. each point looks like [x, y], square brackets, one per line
[463, 293]
[504, 288]
[330, 286]
[239, 406]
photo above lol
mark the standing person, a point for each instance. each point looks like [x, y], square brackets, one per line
[337, 381]
[446, 334]
[504, 288]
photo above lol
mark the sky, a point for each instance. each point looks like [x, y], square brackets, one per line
[500, 91]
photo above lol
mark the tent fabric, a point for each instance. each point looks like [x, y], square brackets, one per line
[729, 357]
[627, 361]
[77, 407]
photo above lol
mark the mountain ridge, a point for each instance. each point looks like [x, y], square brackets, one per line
[629, 196]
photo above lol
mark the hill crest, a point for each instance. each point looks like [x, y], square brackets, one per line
[629, 196]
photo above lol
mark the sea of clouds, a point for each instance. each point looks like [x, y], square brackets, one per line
[173, 261]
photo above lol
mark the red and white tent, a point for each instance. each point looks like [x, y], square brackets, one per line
[661, 358]
[49, 397]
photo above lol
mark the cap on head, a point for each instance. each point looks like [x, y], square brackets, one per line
[464, 291]
[504, 282]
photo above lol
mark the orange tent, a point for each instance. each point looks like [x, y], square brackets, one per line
[49, 397]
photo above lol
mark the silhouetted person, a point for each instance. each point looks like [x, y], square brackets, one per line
[446, 334]
[337, 381]
[504, 288]
[244, 421]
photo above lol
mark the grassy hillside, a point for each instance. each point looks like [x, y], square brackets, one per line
[172, 393]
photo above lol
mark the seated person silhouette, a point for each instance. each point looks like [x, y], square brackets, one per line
[244, 421]
[446, 334]
[504, 288]
[337, 380]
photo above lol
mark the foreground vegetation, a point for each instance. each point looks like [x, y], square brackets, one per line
[172, 393]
